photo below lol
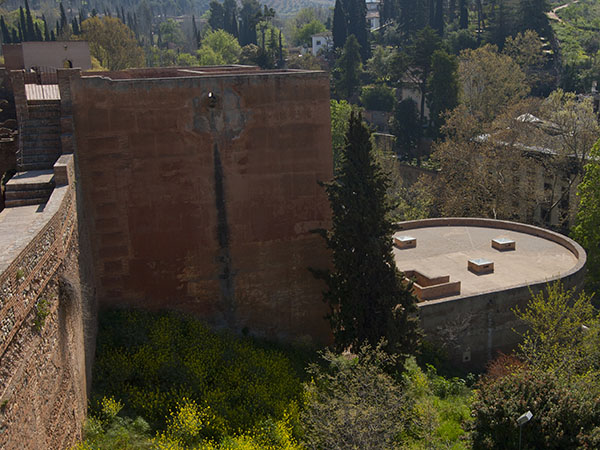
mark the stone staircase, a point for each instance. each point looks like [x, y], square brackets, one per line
[40, 147]
[32, 187]
[40, 136]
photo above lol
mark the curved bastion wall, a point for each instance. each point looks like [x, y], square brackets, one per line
[468, 310]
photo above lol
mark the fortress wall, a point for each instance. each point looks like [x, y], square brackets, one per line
[208, 208]
[42, 355]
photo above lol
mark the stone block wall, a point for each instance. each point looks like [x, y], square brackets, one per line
[205, 203]
[42, 355]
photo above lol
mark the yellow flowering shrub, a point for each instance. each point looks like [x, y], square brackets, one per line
[195, 387]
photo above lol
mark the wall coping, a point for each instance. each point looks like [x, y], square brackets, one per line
[532, 230]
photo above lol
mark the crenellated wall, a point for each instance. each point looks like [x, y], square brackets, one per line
[42, 353]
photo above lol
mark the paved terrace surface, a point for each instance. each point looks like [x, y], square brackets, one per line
[445, 250]
[19, 225]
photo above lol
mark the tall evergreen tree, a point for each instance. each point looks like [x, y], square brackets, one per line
[64, 23]
[216, 19]
[439, 17]
[15, 37]
[30, 29]
[22, 25]
[6, 38]
[531, 15]
[249, 17]
[340, 25]
[443, 87]
[38, 33]
[366, 294]
[347, 70]
[230, 23]
[46, 30]
[357, 25]
[463, 22]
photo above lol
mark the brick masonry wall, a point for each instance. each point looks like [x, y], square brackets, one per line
[42, 357]
[208, 209]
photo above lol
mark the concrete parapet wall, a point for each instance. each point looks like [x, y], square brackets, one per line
[473, 329]
[42, 356]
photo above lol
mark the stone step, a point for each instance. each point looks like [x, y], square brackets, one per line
[41, 103]
[36, 124]
[44, 113]
[47, 160]
[32, 187]
[41, 137]
[28, 166]
[32, 151]
[27, 194]
[25, 202]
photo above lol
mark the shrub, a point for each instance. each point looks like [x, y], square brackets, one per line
[353, 402]
[378, 98]
[564, 416]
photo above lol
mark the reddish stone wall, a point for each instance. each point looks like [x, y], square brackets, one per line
[42, 355]
[208, 209]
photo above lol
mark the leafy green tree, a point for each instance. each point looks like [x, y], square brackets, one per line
[112, 43]
[219, 47]
[302, 35]
[587, 229]
[367, 296]
[556, 339]
[443, 87]
[353, 403]
[171, 33]
[490, 81]
[348, 68]
[378, 98]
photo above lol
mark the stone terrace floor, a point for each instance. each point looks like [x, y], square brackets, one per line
[19, 225]
[445, 250]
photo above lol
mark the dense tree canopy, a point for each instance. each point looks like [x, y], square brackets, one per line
[112, 43]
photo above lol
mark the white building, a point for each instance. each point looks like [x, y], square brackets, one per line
[321, 41]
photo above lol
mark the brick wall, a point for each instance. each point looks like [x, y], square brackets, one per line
[208, 208]
[42, 355]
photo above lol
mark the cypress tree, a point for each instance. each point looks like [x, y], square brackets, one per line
[357, 25]
[340, 25]
[64, 23]
[464, 15]
[439, 17]
[230, 17]
[15, 37]
[22, 25]
[5, 33]
[75, 26]
[52, 35]
[46, 30]
[30, 29]
[366, 294]
[195, 32]
[38, 33]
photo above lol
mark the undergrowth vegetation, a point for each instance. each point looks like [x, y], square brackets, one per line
[164, 381]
